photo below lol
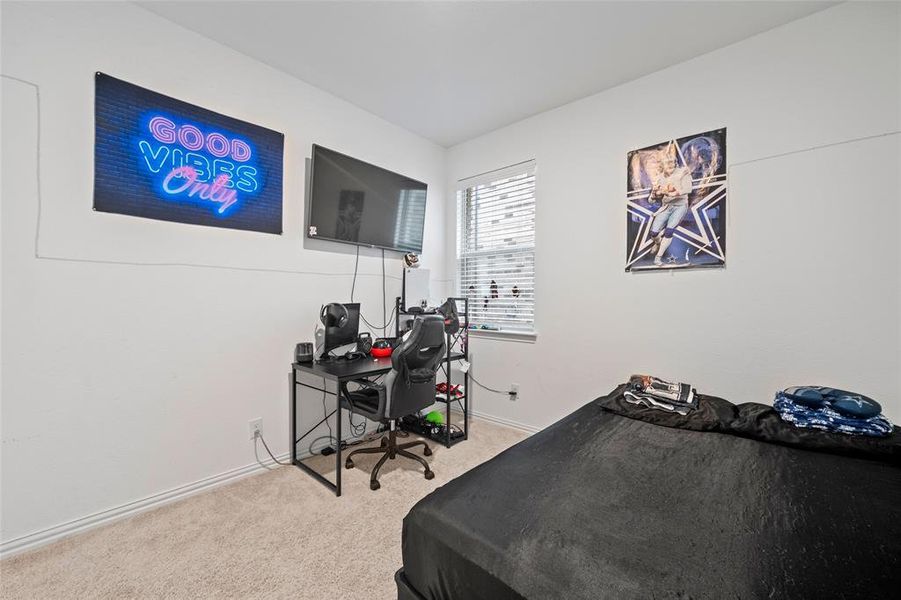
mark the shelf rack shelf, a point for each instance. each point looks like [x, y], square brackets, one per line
[457, 350]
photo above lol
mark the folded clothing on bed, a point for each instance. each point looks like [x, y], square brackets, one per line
[831, 409]
[658, 394]
[759, 422]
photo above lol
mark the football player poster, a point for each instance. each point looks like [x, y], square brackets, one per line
[676, 203]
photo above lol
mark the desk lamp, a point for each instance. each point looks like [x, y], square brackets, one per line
[411, 261]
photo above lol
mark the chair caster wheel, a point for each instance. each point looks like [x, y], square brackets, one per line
[427, 451]
[429, 475]
[383, 443]
[348, 464]
[374, 485]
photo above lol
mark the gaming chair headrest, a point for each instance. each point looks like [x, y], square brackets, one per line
[430, 331]
[427, 334]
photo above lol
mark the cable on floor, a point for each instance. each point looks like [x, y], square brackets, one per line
[313, 443]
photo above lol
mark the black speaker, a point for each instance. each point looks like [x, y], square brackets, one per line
[303, 352]
[364, 343]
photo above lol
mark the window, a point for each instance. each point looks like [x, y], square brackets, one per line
[496, 247]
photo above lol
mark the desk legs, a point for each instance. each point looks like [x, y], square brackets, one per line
[338, 465]
[292, 442]
[335, 487]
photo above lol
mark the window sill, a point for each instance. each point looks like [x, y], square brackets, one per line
[506, 336]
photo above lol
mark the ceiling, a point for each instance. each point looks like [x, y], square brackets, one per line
[451, 71]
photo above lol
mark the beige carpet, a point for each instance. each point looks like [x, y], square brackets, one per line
[278, 534]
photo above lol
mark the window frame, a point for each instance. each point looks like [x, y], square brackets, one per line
[526, 167]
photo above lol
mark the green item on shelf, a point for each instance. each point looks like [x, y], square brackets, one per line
[435, 418]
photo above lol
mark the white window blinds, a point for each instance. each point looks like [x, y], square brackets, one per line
[496, 247]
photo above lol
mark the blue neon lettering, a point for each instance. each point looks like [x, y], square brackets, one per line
[178, 158]
[153, 159]
[224, 167]
[247, 179]
[201, 164]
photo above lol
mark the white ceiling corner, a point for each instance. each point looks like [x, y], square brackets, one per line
[451, 71]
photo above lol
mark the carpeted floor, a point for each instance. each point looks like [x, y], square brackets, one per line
[278, 534]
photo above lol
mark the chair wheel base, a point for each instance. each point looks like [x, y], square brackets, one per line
[374, 485]
[349, 464]
[427, 451]
[429, 475]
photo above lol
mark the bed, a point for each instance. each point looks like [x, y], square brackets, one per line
[618, 502]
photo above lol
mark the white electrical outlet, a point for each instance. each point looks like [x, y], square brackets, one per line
[256, 428]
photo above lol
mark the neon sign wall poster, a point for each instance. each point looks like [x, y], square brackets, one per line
[161, 158]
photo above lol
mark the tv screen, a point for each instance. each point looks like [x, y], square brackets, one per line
[355, 202]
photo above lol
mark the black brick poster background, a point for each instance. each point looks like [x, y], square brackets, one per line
[124, 177]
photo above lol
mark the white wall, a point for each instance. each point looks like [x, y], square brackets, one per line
[122, 379]
[125, 375]
[811, 289]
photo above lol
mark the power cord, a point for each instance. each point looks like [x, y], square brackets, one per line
[384, 298]
[382, 327]
[358, 430]
[259, 436]
[353, 285]
[313, 443]
[485, 387]
[256, 455]
[385, 319]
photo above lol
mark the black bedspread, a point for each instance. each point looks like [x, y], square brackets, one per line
[603, 506]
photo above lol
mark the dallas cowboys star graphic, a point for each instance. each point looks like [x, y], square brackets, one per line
[696, 230]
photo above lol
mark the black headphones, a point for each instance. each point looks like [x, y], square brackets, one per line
[330, 319]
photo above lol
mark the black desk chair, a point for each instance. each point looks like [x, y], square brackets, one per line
[408, 388]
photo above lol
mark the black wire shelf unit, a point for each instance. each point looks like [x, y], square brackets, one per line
[457, 350]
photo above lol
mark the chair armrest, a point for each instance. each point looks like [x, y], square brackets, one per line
[365, 383]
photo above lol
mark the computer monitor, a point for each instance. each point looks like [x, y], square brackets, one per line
[335, 337]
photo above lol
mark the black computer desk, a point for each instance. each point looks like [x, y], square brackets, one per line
[339, 371]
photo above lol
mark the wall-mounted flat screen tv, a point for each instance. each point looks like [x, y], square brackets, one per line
[358, 203]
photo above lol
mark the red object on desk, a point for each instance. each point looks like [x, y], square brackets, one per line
[381, 349]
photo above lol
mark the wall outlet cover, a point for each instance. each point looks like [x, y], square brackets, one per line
[256, 427]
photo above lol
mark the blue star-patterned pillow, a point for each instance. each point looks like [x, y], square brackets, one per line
[847, 403]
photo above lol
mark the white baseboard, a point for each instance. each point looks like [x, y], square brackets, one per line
[51, 534]
[501, 421]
